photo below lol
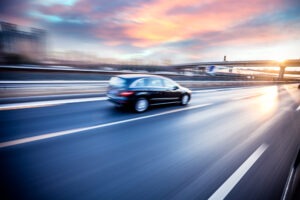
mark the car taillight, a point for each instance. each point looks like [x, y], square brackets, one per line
[126, 93]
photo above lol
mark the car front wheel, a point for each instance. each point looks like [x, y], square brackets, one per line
[185, 99]
[141, 105]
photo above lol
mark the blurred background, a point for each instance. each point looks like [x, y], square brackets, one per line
[238, 138]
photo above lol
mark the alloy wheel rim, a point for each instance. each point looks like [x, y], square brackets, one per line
[141, 105]
[185, 99]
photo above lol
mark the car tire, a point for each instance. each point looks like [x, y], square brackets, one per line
[141, 105]
[185, 99]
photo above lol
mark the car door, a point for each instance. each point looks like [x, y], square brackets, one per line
[156, 90]
[140, 87]
[172, 91]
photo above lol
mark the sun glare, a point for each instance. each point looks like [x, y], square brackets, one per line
[280, 60]
[268, 101]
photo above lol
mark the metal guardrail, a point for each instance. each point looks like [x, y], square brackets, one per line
[106, 82]
[177, 74]
[88, 83]
[40, 88]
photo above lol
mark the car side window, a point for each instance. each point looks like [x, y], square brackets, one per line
[155, 82]
[138, 83]
[169, 83]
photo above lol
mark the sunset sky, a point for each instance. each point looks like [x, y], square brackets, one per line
[153, 30]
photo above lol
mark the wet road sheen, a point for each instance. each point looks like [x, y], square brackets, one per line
[231, 143]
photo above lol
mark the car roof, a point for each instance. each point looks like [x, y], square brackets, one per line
[136, 76]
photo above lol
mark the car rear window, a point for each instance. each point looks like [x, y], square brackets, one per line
[117, 82]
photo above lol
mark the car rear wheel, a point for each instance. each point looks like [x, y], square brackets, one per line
[185, 99]
[141, 105]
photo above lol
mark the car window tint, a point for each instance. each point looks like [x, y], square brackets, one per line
[155, 82]
[169, 83]
[138, 83]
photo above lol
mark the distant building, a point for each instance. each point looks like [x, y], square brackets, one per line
[30, 44]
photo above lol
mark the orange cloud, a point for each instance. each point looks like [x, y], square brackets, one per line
[164, 21]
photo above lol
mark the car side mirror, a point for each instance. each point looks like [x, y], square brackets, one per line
[175, 87]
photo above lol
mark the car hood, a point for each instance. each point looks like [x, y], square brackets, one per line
[186, 89]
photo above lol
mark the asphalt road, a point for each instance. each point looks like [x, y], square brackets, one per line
[232, 144]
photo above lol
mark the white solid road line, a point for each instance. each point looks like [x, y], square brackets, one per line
[219, 90]
[243, 97]
[52, 81]
[67, 132]
[231, 182]
[36, 104]
[203, 91]
[286, 188]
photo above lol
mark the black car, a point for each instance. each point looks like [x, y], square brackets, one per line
[138, 91]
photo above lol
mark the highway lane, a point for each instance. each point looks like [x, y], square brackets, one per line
[59, 116]
[70, 116]
[173, 152]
